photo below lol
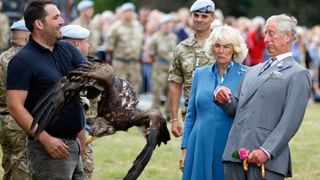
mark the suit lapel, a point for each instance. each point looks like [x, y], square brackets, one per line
[254, 80]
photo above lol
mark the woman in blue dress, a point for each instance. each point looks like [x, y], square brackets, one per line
[207, 127]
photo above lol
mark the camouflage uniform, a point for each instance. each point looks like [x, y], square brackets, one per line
[188, 56]
[162, 48]
[4, 32]
[93, 37]
[12, 137]
[90, 114]
[126, 40]
[88, 163]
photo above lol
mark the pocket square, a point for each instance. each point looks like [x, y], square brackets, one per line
[276, 75]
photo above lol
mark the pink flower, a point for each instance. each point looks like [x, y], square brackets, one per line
[243, 153]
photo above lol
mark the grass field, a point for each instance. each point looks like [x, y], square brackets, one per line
[114, 155]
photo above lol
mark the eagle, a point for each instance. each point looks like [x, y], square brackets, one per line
[116, 109]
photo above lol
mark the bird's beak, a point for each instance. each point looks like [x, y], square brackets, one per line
[90, 139]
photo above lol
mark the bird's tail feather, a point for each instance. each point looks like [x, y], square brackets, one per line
[143, 158]
[164, 135]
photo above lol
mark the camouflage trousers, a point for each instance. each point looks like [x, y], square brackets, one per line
[159, 82]
[129, 71]
[160, 86]
[13, 142]
[88, 162]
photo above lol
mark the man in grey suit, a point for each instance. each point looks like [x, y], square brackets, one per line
[268, 107]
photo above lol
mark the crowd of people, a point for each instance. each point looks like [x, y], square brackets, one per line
[305, 49]
[196, 53]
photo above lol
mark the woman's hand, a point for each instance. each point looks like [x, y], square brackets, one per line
[223, 95]
[182, 158]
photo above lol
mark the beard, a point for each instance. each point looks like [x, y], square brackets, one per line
[52, 35]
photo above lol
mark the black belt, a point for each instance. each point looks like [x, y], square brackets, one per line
[125, 60]
[67, 138]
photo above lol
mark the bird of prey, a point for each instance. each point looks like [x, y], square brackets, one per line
[116, 109]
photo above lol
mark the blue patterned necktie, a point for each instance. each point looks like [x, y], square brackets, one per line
[267, 65]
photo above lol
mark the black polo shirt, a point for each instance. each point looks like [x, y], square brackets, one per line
[36, 69]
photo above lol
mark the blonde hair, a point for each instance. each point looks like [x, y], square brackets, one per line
[227, 35]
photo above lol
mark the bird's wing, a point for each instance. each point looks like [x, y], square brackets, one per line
[95, 74]
[62, 93]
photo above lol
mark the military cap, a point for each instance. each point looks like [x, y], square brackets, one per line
[165, 19]
[203, 6]
[19, 25]
[74, 32]
[84, 4]
[127, 7]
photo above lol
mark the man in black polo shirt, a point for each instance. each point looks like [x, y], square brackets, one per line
[32, 71]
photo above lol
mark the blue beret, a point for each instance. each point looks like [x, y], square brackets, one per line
[127, 7]
[203, 6]
[84, 4]
[74, 32]
[165, 19]
[19, 25]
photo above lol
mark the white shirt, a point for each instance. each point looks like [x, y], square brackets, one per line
[281, 57]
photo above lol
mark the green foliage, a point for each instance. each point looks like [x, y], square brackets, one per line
[235, 155]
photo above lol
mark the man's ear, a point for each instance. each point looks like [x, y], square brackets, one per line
[38, 24]
[288, 36]
[77, 43]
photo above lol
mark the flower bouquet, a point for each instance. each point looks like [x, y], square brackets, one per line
[243, 154]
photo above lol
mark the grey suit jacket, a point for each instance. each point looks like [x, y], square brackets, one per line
[268, 110]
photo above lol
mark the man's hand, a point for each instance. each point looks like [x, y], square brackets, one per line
[182, 158]
[55, 147]
[176, 128]
[258, 157]
[223, 95]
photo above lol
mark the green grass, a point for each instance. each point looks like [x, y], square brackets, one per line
[114, 154]
[305, 146]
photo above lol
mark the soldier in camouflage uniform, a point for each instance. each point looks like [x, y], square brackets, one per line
[78, 36]
[4, 30]
[188, 56]
[125, 40]
[161, 48]
[88, 161]
[12, 137]
[86, 11]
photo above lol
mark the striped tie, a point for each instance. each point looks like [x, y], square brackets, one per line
[267, 65]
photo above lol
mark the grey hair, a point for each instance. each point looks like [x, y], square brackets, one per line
[286, 23]
[228, 35]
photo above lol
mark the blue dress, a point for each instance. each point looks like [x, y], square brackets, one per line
[207, 126]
